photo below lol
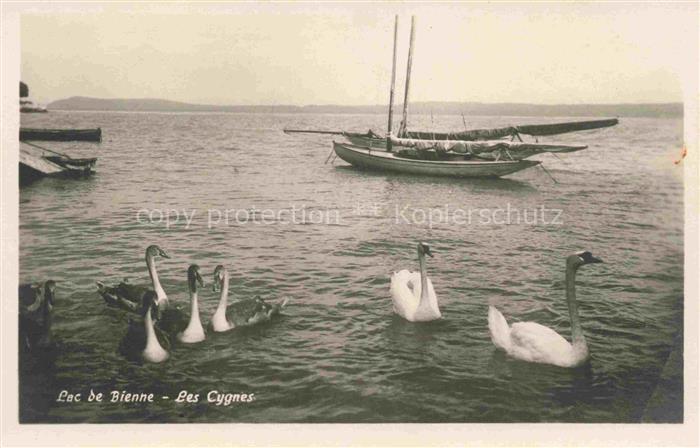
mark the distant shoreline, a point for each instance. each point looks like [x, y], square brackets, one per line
[657, 110]
[665, 117]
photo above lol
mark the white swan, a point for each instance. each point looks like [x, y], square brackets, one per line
[530, 341]
[242, 312]
[411, 301]
[151, 253]
[194, 332]
[153, 352]
[141, 340]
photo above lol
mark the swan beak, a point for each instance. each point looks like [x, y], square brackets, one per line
[215, 286]
[596, 260]
[164, 254]
[428, 253]
[200, 280]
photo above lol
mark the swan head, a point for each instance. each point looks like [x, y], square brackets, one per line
[194, 278]
[50, 291]
[155, 251]
[219, 274]
[424, 249]
[581, 258]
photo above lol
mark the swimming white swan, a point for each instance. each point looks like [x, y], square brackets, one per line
[141, 342]
[242, 312]
[130, 297]
[194, 332]
[530, 341]
[411, 301]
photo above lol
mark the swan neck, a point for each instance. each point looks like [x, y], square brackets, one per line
[194, 303]
[150, 262]
[423, 277]
[151, 338]
[223, 300]
[194, 311]
[576, 330]
[47, 315]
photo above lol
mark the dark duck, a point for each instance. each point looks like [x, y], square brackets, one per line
[130, 297]
[36, 302]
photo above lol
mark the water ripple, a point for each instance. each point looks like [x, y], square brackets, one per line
[339, 354]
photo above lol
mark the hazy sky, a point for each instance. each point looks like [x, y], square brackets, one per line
[341, 53]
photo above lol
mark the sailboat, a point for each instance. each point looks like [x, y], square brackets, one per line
[435, 163]
[450, 154]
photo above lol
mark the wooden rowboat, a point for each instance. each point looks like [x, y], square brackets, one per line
[62, 135]
[36, 162]
[453, 166]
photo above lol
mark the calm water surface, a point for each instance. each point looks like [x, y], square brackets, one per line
[339, 354]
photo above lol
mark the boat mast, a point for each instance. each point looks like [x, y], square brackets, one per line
[402, 127]
[393, 82]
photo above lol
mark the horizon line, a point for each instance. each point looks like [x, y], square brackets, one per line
[203, 104]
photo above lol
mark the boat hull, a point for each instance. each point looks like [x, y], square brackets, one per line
[34, 164]
[365, 158]
[33, 110]
[61, 135]
[27, 106]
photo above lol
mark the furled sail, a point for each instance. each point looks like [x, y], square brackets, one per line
[563, 128]
[496, 133]
[485, 149]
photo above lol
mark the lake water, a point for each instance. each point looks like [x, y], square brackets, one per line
[329, 236]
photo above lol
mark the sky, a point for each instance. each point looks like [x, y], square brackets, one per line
[340, 53]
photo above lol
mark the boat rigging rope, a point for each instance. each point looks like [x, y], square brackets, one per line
[548, 173]
[45, 149]
[329, 155]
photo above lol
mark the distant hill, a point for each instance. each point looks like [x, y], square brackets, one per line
[149, 104]
[440, 108]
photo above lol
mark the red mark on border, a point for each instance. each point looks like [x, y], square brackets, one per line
[684, 153]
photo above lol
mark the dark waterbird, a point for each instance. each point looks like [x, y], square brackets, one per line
[242, 312]
[130, 297]
[175, 322]
[143, 341]
[36, 303]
